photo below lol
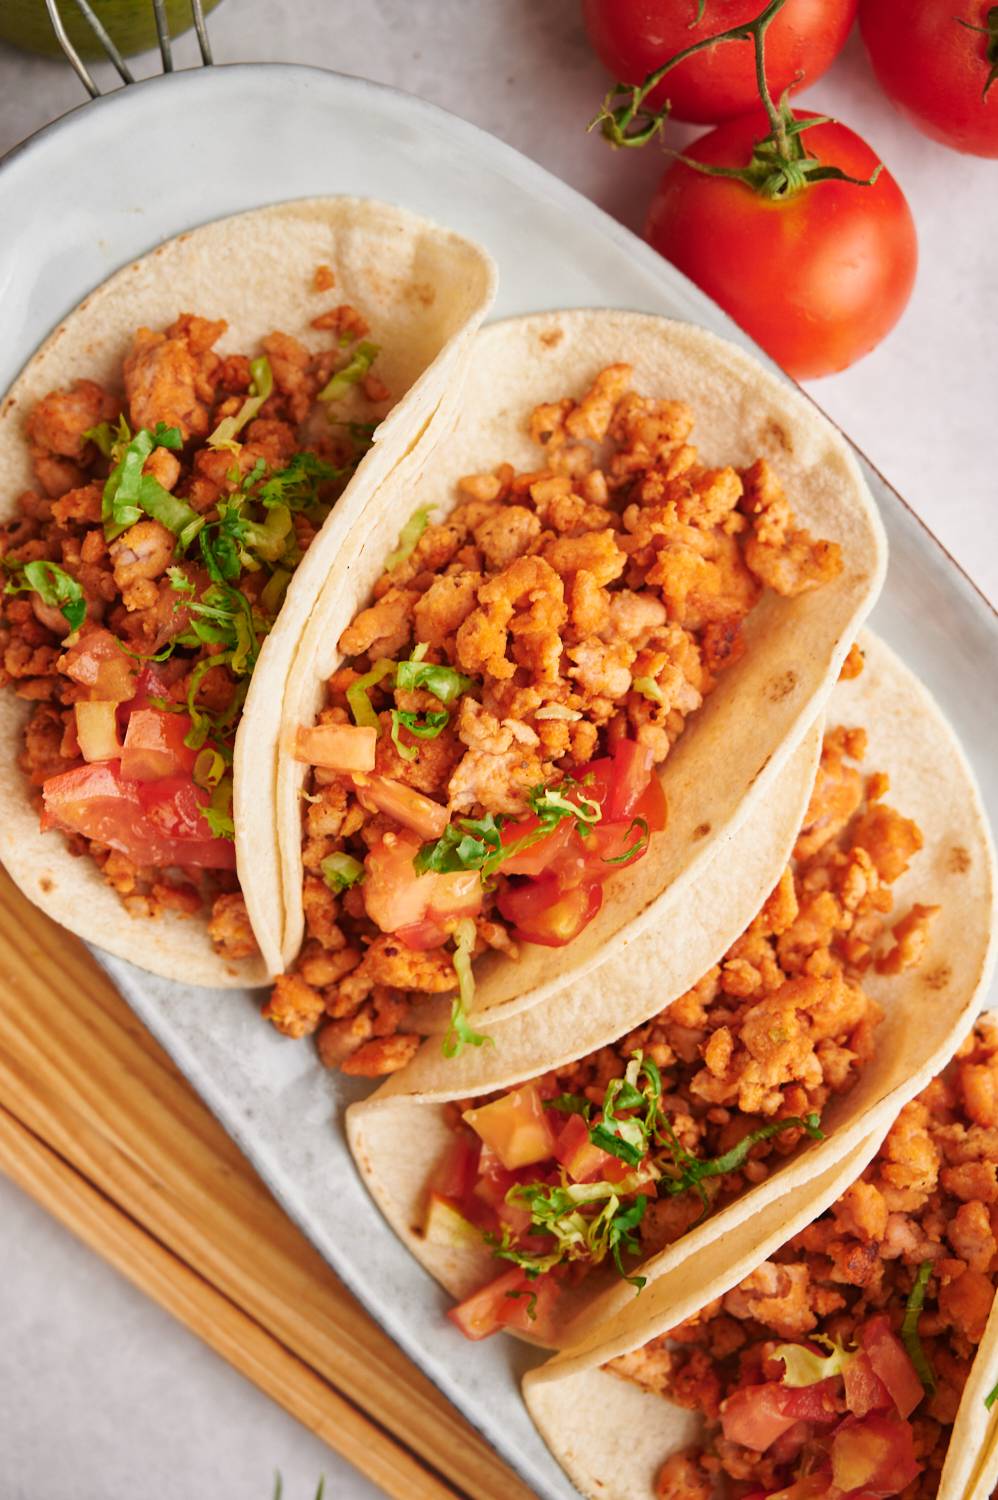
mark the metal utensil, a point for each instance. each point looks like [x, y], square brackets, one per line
[104, 39]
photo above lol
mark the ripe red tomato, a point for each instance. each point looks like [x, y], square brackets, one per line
[633, 37]
[934, 69]
[817, 279]
[154, 745]
[541, 912]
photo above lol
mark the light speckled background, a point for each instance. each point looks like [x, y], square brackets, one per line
[103, 1396]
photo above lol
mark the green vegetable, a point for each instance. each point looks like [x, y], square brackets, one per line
[54, 587]
[340, 871]
[460, 1033]
[357, 693]
[424, 729]
[354, 371]
[629, 1138]
[209, 768]
[558, 1212]
[640, 843]
[909, 1329]
[801, 1366]
[297, 485]
[129, 494]
[227, 430]
[443, 682]
[218, 813]
[991, 1398]
[690, 1171]
[476, 843]
[531, 1302]
[551, 804]
[648, 688]
[408, 538]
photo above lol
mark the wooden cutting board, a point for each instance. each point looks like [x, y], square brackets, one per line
[98, 1126]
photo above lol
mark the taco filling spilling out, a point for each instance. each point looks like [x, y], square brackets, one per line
[485, 761]
[614, 1157]
[142, 574]
[836, 1368]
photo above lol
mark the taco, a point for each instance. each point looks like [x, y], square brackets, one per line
[561, 1183]
[178, 462]
[859, 1358]
[589, 626]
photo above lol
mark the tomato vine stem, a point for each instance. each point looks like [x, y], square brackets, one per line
[990, 30]
[780, 166]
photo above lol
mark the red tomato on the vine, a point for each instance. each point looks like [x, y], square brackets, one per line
[935, 69]
[633, 37]
[817, 279]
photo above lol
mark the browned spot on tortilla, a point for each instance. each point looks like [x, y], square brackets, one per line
[424, 293]
[782, 685]
[958, 860]
[701, 830]
[552, 338]
[46, 884]
[779, 435]
[939, 977]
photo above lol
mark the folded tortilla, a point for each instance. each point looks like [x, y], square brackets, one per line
[616, 1450]
[729, 758]
[399, 1132]
[423, 290]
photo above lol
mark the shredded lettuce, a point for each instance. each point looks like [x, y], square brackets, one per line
[909, 1329]
[340, 871]
[648, 688]
[443, 682]
[357, 693]
[460, 1032]
[129, 494]
[802, 1366]
[354, 371]
[408, 538]
[228, 429]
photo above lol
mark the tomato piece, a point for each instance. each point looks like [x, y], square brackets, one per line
[538, 857]
[155, 682]
[653, 806]
[424, 935]
[583, 1161]
[395, 896]
[155, 823]
[445, 1224]
[633, 37]
[99, 662]
[842, 256]
[891, 1363]
[507, 1302]
[541, 912]
[455, 1173]
[756, 1415]
[411, 809]
[874, 1453]
[338, 747]
[632, 768]
[154, 745]
[811, 1403]
[97, 730]
[935, 70]
[865, 1391]
[516, 1127]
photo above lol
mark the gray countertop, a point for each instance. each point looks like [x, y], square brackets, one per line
[104, 1396]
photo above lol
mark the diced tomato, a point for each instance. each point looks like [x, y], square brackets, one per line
[538, 857]
[445, 1224]
[155, 682]
[583, 1161]
[154, 745]
[891, 1363]
[541, 912]
[516, 1127]
[865, 1391]
[874, 1453]
[394, 895]
[756, 1415]
[338, 747]
[421, 814]
[154, 823]
[507, 1303]
[99, 662]
[455, 1173]
[97, 730]
[456, 894]
[652, 806]
[424, 935]
[632, 769]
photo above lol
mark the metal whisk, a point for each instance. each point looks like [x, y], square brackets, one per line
[113, 55]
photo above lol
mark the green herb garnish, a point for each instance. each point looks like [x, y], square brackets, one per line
[425, 728]
[909, 1329]
[227, 430]
[129, 494]
[354, 371]
[340, 871]
[638, 847]
[54, 587]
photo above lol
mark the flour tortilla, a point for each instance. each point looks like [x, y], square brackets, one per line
[729, 759]
[611, 1437]
[397, 1133]
[423, 291]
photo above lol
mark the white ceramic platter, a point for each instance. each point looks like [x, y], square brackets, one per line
[107, 183]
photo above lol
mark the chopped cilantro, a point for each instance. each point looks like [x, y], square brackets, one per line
[476, 843]
[54, 587]
[638, 847]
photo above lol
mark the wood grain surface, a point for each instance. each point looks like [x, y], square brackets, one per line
[98, 1126]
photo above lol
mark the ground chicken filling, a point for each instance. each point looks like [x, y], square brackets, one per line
[619, 1154]
[143, 572]
[486, 758]
[838, 1365]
